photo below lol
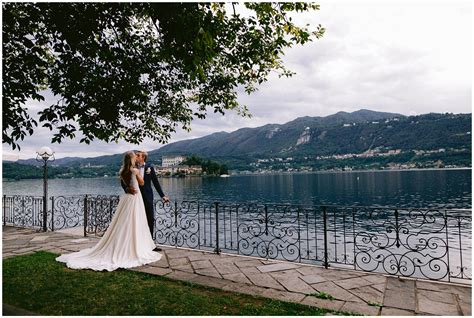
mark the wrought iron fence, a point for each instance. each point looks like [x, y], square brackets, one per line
[424, 243]
[23, 211]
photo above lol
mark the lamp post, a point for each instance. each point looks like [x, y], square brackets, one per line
[43, 155]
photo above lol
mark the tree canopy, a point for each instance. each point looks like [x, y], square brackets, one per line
[127, 71]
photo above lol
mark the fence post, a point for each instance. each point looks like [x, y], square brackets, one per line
[52, 213]
[85, 216]
[217, 250]
[266, 221]
[299, 234]
[4, 210]
[460, 247]
[447, 243]
[175, 213]
[397, 228]
[326, 263]
[176, 223]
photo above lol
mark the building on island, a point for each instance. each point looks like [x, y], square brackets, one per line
[171, 165]
[171, 161]
[188, 170]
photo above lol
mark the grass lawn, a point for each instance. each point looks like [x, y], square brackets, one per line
[38, 283]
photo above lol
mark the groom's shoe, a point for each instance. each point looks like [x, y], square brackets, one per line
[157, 249]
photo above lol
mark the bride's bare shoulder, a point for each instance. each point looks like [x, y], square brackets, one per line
[134, 170]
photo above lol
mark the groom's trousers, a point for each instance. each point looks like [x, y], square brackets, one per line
[150, 216]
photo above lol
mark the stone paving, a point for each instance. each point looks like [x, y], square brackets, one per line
[354, 291]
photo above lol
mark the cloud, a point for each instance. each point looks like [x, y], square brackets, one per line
[403, 57]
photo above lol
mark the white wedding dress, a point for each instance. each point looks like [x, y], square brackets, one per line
[126, 243]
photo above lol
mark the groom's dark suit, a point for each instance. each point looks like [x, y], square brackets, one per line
[147, 194]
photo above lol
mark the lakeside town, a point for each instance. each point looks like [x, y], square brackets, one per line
[177, 166]
[293, 164]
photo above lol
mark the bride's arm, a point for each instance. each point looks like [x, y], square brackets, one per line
[139, 178]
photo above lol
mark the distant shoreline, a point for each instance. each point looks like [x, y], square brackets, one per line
[271, 173]
[351, 171]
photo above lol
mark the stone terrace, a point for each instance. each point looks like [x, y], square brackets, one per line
[353, 290]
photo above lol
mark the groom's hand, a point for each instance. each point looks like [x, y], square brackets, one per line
[131, 190]
[165, 199]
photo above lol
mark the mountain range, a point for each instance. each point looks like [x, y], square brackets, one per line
[340, 133]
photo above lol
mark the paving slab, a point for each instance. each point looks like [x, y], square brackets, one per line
[400, 293]
[431, 285]
[323, 303]
[264, 280]
[286, 273]
[201, 264]
[368, 294]
[8, 250]
[294, 284]
[73, 248]
[244, 289]
[464, 296]
[80, 240]
[227, 269]
[437, 308]
[201, 256]
[26, 250]
[39, 238]
[276, 267]
[436, 296]
[379, 287]
[250, 271]
[57, 250]
[223, 261]
[375, 278]
[185, 268]
[310, 270]
[209, 281]
[395, 283]
[247, 263]
[155, 270]
[361, 308]
[177, 253]
[352, 283]
[313, 279]
[163, 262]
[179, 275]
[20, 242]
[334, 290]
[445, 287]
[388, 311]
[208, 271]
[466, 309]
[237, 277]
[283, 295]
[173, 262]
[331, 274]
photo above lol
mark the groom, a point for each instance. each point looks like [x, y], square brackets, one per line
[148, 173]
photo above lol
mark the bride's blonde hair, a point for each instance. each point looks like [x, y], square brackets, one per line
[127, 164]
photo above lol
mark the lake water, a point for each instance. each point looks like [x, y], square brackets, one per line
[413, 188]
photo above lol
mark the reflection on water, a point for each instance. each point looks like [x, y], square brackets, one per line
[420, 189]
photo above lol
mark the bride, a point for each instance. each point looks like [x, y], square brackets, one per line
[127, 242]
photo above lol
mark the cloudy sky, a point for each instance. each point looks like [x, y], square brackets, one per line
[406, 57]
